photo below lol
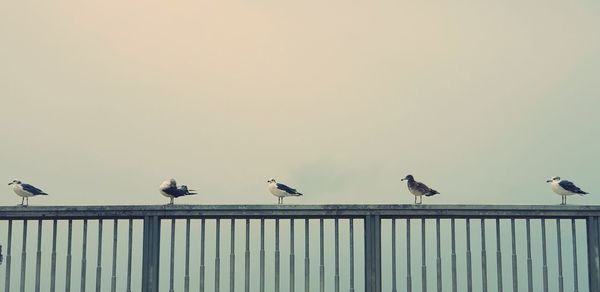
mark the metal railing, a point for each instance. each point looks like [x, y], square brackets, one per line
[301, 248]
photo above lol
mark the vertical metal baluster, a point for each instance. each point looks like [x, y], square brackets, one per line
[529, 261]
[186, 277]
[84, 256]
[408, 253]
[469, 267]
[560, 265]
[351, 255]
[23, 255]
[53, 260]
[498, 256]
[439, 255]
[172, 259]
[8, 257]
[306, 256]
[484, 285]
[38, 258]
[113, 283]
[544, 258]
[217, 256]
[129, 255]
[232, 257]
[262, 255]
[69, 257]
[515, 274]
[394, 255]
[202, 254]
[99, 262]
[292, 259]
[321, 256]
[453, 238]
[276, 255]
[337, 255]
[575, 274]
[423, 258]
[247, 258]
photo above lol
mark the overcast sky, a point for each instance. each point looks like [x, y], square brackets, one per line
[102, 101]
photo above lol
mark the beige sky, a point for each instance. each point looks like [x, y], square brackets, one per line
[482, 101]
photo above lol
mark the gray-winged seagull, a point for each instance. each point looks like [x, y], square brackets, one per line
[418, 189]
[25, 191]
[281, 191]
[564, 188]
[169, 189]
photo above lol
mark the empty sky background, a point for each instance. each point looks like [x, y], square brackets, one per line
[483, 101]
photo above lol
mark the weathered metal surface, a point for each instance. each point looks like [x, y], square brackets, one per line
[372, 253]
[150, 254]
[8, 257]
[593, 245]
[371, 215]
[297, 211]
[498, 256]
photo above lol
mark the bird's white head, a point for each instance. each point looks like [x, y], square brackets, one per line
[553, 179]
[169, 183]
[14, 182]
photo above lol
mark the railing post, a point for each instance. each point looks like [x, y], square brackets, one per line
[150, 254]
[372, 253]
[593, 242]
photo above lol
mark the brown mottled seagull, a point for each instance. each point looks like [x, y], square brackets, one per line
[418, 189]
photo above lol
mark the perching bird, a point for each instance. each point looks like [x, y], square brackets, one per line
[281, 191]
[25, 191]
[564, 188]
[169, 189]
[418, 189]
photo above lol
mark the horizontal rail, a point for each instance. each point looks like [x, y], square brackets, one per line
[297, 211]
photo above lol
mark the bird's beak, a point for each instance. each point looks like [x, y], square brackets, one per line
[548, 181]
[10, 183]
[402, 180]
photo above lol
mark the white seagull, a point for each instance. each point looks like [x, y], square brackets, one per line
[25, 191]
[169, 189]
[418, 189]
[281, 191]
[564, 188]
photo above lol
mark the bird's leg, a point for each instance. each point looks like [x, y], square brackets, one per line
[565, 197]
[415, 200]
[420, 200]
[172, 201]
[282, 200]
[23, 201]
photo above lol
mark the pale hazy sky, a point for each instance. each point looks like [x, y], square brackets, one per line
[102, 101]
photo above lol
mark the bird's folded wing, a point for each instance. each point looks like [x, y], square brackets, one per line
[31, 189]
[286, 189]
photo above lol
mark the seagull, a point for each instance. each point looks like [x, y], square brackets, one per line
[25, 191]
[418, 189]
[169, 189]
[564, 188]
[281, 191]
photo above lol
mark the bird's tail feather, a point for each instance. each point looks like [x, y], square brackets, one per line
[432, 193]
[44, 194]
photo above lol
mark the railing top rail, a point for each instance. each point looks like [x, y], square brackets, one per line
[297, 211]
